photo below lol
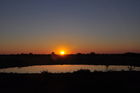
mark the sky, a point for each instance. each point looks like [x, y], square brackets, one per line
[43, 26]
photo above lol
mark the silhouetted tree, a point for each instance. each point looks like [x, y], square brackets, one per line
[92, 53]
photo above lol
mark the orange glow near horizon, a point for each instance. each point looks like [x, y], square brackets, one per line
[68, 49]
[62, 52]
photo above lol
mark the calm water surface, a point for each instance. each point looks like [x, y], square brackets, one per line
[65, 68]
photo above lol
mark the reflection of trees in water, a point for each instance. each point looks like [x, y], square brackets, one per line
[107, 67]
[131, 67]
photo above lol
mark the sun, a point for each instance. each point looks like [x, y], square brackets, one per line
[62, 52]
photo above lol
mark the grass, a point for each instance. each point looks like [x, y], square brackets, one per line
[77, 82]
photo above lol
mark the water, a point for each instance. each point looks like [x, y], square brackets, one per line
[66, 68]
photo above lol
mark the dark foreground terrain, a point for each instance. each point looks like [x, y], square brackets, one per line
[77, 82]
[132, 59]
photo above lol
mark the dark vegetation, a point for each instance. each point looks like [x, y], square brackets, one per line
[131, 59]
[82, 81]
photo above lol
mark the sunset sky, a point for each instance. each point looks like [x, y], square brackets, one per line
[43, 26]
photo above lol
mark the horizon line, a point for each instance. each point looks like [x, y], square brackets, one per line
[67, 54]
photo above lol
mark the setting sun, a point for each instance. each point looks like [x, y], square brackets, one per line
[62, 52]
